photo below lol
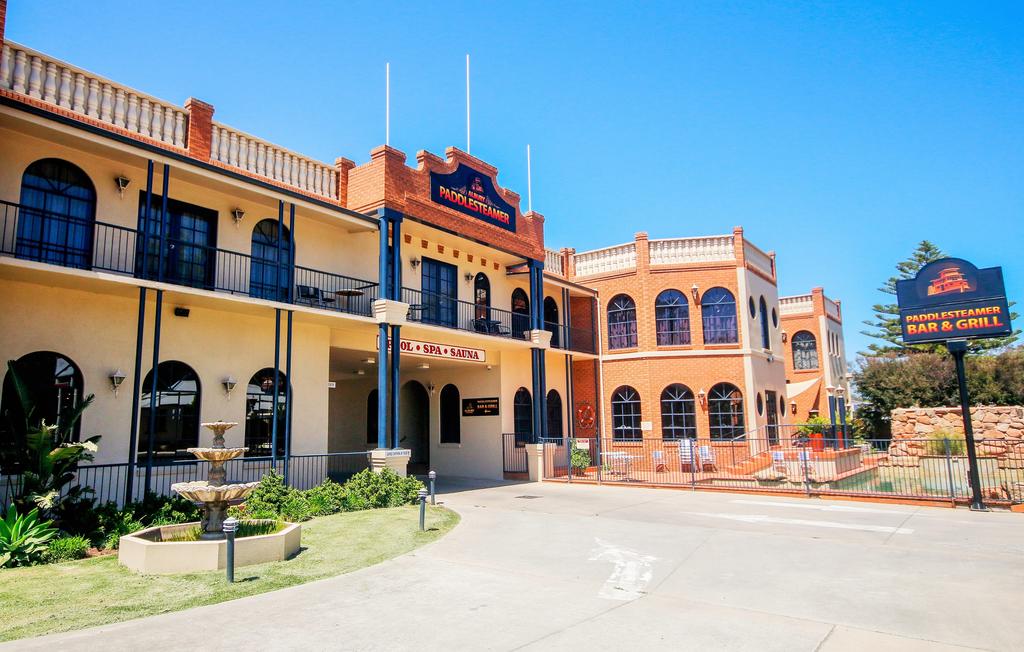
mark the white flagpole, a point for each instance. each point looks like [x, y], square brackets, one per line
[529, 185]
[467, 104]
[387, 103]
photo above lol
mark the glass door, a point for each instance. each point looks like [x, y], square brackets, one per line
[771, 412]
[440, 293]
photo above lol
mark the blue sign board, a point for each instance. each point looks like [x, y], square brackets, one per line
[472, 193]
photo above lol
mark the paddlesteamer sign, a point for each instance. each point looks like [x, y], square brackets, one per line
[472, 193]
[951, 299]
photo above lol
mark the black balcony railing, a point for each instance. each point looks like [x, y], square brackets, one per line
[68, 241]
[443, 310]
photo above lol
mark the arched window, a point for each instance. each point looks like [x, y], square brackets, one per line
[259, 413]
[57, 214]
[482, 300]
[678, 415]
[371, 418]
[672, 318]
[766, 340]
[626, 413]
[718, 313]
[520, 312]
[621, 322]
[54, 387]
[805, 350]
[522, 415]
[177, 412]
[554, 415]
[271, 260]
[451, 415]
[725, 411]
[551, 319]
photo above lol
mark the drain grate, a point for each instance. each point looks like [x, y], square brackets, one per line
[529, 497]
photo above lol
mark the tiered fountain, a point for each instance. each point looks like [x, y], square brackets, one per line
[215, 493]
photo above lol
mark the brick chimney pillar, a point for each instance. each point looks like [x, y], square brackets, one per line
[200, 128]
[737, 247]
[343, 166]
[643, 252]
[569, 262]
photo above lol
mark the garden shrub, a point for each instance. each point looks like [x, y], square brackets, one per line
[116, 525]
[384, 489]
[936, 444]
[269, 497]
[23, 538]
[326, 498]
[295, 508]
[66, 549]
[580, 458]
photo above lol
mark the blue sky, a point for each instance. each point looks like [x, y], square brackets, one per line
[839, 136]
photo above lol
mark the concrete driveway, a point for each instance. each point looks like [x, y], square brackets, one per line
[551, 566]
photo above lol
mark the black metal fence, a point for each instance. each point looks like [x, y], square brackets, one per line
[68, 241]
[792, 461]
[107, 482]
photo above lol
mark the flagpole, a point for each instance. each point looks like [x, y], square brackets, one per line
[529, 185]
[467, 104]
[387, 103]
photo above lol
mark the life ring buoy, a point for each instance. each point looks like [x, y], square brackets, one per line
[585, 416]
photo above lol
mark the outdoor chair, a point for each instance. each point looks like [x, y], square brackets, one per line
[616, 462]
[779, 461]
[313, 296]
[658, 458]
[687, 457]
[707, 458]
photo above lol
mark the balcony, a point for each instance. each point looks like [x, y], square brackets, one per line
[67, 241]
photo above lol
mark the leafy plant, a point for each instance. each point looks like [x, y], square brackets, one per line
[23, 538]
[579, 458]
[117, 525]
[66, 549]
[327, 497]
[814, 426]
[269, 497]
[384, 489]
[50, 456]
[941, 441]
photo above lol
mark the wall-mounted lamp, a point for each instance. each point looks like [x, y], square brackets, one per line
[785, 336]
[122, 184]
[840, 391]
[702, 396]
[238, 214]
[415, 262]
[369, 360]
[432, 388]
[423, 365]
[792, 408]
[694, 292]
[229, 384]
[116, 379]
[469, 277]
[360, 372]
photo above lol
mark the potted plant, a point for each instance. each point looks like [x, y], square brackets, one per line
[813, 432]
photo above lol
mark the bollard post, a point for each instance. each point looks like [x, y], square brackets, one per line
[423, 509]
[230, 525]
[433, 496]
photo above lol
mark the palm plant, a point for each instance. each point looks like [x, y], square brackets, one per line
[23, 538]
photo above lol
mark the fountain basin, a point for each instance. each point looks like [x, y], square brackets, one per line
[202, 491]
[217, 454]
[147, 551]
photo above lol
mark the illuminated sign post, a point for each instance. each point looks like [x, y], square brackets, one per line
[951, 301]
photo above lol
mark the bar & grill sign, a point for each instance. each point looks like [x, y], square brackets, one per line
[951, 299]
[472, 193]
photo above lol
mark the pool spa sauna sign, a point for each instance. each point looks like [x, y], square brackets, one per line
[472, 193]
[951, 299]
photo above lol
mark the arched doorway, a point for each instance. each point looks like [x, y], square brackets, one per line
[259, 413]
[414, 425]
[58, 211]
[520, 312]
[177, 412]
[271, 261]
[551, 319]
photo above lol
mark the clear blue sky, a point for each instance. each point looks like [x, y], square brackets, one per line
[837, 136]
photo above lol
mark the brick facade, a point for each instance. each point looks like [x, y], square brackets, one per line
[809, 388]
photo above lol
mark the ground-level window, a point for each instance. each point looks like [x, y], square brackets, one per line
[371, 418]
[626, 413]
[522, 415]
[805, 351]
[725, 411]
[177, 412]
[678, 415]
[554, 415]
[451, 415]
[259, 413]
[53, 384]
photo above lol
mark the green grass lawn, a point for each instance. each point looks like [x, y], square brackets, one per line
[62, 597]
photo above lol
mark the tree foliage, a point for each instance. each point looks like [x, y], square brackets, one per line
[928, 379]
[885, 326]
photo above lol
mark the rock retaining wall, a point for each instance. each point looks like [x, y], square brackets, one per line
[998, 431]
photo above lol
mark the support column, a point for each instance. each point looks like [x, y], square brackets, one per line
[162, 231]
[151, 438]
[147, 216]
[537, 353]
[842, 420]
[277, 385]
[832, 416]
[395, 259]
[133, 437]
[386, 287]
[291, 259]
[287, 397]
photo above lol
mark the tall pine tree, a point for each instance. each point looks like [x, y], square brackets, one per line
[886, 324]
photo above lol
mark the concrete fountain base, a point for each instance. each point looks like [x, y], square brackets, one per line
[146, 551]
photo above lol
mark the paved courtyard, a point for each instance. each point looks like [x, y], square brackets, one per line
[561, 567]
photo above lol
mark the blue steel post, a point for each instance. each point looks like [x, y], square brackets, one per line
[277, 385]
[382, 333]
[288, 398]
[842, 420]
[163, 218]
[291, 258]
[133, 437]
[536, 303]
[542, 355]
[832, 417]
[146, 216]
[153, 400]
[396, 331]
[280, 250]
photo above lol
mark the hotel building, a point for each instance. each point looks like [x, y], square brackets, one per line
[406, 313]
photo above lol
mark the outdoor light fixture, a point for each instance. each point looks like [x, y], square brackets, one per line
[415, 262]
[792, 407]
[840, 391]
[702, 396]
[695, 291]
[830, 389]
[360, 372]
[122, 184]
[468, 277]
[431, 387]
[229, 384]
[423, 365]
[116, 379]
[785, 336]
[238, 214]
[370, 360]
